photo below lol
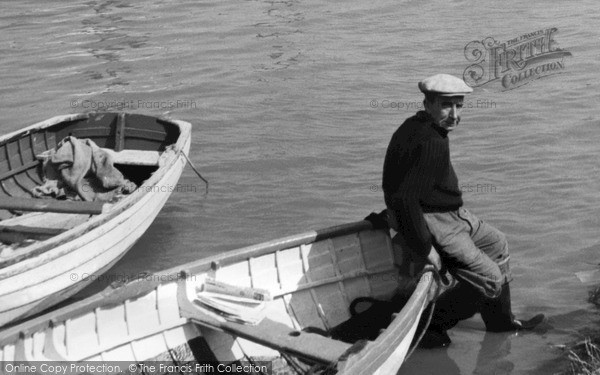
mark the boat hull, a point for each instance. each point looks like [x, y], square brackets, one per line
[314, 277]
[80, 255]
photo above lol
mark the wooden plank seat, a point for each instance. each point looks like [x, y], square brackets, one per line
[310, 346]
[278, 336]
[134, 157]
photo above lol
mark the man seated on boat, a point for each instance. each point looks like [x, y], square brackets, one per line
[425, 207]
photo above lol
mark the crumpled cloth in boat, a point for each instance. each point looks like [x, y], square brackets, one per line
[79, 168]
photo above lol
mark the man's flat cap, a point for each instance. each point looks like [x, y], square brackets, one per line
[445, 85]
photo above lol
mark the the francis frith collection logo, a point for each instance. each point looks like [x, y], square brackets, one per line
[515, 62]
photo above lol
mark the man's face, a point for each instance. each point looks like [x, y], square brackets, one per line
[445, 111]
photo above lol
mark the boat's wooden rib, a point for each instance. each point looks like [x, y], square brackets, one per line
[54, 239]
[338, 279]
[120, 133]
[313, 277]
[20, 169]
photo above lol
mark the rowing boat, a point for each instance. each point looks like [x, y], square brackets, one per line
[59, 245]
[312, 279]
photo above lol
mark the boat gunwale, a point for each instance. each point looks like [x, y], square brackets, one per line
[169, 157]
[112, 296]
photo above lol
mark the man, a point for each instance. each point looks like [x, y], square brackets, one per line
[424, 205]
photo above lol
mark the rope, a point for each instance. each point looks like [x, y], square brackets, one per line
[297, 366]
[195, 170]
[250, 359]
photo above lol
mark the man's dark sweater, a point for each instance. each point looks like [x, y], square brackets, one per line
[418, 177]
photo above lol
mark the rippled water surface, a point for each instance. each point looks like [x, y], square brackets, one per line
[291, 109]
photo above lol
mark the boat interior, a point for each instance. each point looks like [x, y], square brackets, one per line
[314, 314]
[134, 143]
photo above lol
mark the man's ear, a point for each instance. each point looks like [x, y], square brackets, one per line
[430, 101]
[427, 105]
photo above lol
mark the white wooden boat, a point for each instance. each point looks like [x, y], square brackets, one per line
[67, 243]
[313, 278]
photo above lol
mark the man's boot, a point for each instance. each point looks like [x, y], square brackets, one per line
[498, 317]
[451, 307]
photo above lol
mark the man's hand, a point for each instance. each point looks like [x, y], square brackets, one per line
[378, 221]
[434, 259]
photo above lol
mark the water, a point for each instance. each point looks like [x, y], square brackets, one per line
[280, 92]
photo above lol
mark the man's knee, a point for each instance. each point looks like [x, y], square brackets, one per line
[487, 279]
[493, 276]
[497, 288]
[503, 242]
[499, 250]
[495, 280]
[502, 260]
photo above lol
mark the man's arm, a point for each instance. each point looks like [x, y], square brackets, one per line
[406, 201]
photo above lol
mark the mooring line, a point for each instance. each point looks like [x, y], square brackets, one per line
[195, 170]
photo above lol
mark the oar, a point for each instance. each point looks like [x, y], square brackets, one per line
[52, 205]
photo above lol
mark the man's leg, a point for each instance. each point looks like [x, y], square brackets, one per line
[490, 241]
[477, 275]
[453, 239]
[496, 312]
